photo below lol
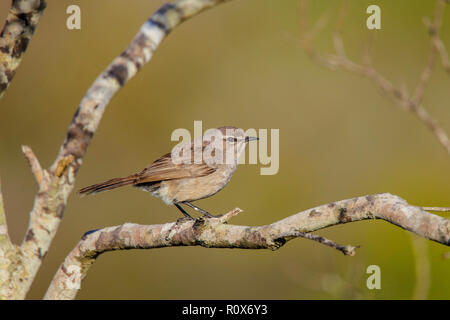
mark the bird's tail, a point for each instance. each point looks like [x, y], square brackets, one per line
[108, 185]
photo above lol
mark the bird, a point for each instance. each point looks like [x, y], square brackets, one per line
[182, 176]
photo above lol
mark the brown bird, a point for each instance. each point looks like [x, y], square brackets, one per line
[181, 176]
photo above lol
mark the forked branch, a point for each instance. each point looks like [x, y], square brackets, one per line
[217, 233]
[56, 183]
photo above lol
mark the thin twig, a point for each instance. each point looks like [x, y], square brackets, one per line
[346, 250]
[410, 102]
[437, 209]
[33, 161]
[433, 31]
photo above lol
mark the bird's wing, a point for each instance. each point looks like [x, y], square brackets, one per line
[165, 169]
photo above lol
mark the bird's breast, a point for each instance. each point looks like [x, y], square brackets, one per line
[191, 189]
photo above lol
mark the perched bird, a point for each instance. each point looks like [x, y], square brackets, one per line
[192, 171]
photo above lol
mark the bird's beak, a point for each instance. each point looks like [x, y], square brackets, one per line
[248, 139]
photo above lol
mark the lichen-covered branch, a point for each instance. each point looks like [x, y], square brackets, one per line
[4, 237]
[122, 69]
[23, 18]
[9, 257]
[216, 233]
[56, 183]
[409, 101]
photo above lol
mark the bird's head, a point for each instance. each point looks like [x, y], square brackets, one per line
[231, 141]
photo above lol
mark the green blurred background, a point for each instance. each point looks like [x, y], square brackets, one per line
[238, 64]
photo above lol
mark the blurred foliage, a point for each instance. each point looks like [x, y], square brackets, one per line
[235, 65]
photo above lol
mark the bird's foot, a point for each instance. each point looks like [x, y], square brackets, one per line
[185, 219]
[204, 212]
[210, 216]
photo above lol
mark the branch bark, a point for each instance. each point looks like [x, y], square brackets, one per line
[23, 18]
[21, 263]
[4, 237]
[9, 256]
[217, 233]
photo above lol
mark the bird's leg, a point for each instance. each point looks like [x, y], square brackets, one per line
[183, 211]
[206, 213]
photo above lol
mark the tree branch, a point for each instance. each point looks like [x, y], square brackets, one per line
[34, 164]
[56, 183]
[346, 250]
[22, 20]
[411, 102]
[216, 233]
[9, 254]
[4, 237]
[422, 268]
[433, 31]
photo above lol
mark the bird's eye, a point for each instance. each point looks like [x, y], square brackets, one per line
[231, 139]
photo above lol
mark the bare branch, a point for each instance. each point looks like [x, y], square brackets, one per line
[423, 269]
[33, 161]
[4, 237]
[433, 31]
[410, 102]
[56, 183]
[437, 209]
[213, 233]
[346, 250]
[443, 54]
[227, 216]
[425, 76]
[22, 20]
